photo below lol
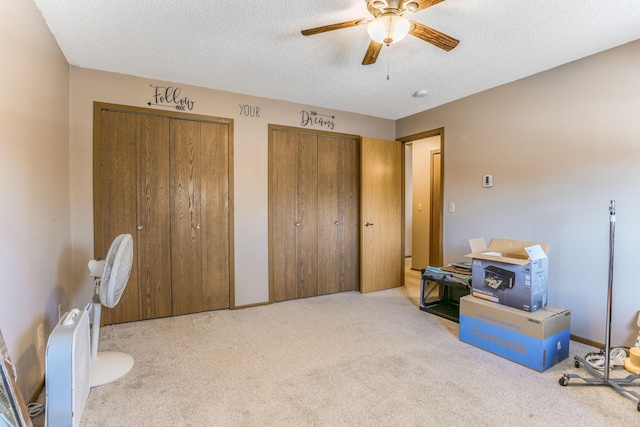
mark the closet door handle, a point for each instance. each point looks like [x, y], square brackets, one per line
[366, 224]
[297, 224]
[337, 222]
[197, 226]
[140, 227]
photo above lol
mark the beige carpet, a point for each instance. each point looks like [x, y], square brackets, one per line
[339, 360]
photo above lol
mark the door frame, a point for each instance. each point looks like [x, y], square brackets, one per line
[414, 137]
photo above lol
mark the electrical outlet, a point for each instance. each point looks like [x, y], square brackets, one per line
[40, 333]
[59, 311]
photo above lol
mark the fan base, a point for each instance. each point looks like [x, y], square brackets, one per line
[109, 366]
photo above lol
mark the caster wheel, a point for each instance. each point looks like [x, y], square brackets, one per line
[576, 364]
[564, 381]
[638, 407]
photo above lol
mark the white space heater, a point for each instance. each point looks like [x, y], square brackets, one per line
[68, 370]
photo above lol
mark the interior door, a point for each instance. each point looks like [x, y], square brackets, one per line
[381, 214]
[435, 226]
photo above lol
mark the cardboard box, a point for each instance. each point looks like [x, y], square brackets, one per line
[510, 272]
[537, 340]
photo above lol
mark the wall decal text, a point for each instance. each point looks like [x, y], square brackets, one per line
[312, 118]
[169, 97]
[249, 110]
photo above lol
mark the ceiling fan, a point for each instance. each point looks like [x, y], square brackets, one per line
[390, 26]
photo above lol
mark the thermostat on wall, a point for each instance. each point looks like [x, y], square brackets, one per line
[487, 181]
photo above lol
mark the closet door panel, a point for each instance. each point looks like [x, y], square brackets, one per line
[307, 216]
[329, 268]
[214, 205]
[115, 199]
[348, 214]
[282, 217]
[337, 214]
[292, 215]
[186, 244]
[153, 230]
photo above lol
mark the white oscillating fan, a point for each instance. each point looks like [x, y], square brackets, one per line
[111, 277]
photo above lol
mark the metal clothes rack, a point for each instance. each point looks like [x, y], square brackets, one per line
[600, 378]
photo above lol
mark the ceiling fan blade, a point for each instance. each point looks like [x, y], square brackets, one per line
[341, 25]
[432, 36]
[372, 53]
[423, 4]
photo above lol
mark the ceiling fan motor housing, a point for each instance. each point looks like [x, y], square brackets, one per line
[390, 26]
[397, 6]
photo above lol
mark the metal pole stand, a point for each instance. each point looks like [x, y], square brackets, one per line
[600, 379]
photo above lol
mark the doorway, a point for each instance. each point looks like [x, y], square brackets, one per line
[424, 153]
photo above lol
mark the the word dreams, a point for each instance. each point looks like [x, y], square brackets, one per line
[313, 118]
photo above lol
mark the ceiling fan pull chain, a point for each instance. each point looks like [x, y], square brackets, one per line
[387, 68]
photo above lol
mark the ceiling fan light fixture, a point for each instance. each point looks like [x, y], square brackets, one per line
[388, 28]
[411, 6]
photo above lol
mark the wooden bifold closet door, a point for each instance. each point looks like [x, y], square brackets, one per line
[166, 181]
[199, 218]
[338, 197]
[313, 213]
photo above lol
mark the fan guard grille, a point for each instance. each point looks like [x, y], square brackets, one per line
[117, 269]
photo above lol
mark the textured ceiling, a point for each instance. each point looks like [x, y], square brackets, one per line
[255, 47]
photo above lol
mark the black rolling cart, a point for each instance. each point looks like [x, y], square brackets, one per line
[451, 285]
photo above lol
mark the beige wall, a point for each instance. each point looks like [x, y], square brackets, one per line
[250, 163]
[46, 170]
[421, 204]
[34, 181]
[560, 145]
